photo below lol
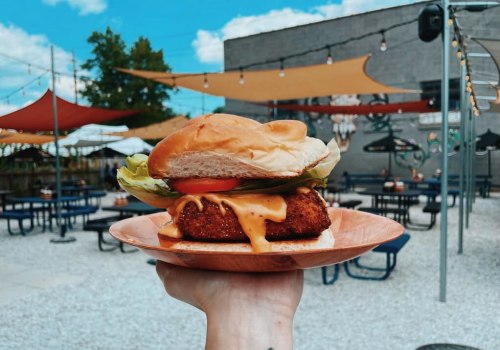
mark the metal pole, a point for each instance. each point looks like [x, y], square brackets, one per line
[74, 76]
[463, 102]
[62, 228]
[473, 161]
[445, 86]
[469, 170]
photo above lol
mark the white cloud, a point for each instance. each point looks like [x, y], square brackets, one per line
[85, 7]
[209, 44]
[14, 74]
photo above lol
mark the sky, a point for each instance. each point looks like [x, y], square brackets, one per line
[190, 33]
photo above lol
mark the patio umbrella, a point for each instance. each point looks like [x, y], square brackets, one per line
[391, 144]
[105, 152]
[489, 141]
[30, 154]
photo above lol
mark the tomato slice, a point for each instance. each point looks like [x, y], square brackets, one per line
[203, 185]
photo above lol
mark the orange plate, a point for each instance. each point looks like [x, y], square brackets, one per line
[355, 233]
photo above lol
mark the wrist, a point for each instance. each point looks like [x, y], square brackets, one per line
[250, 324]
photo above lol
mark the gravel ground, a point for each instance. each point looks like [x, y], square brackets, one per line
[81, 298]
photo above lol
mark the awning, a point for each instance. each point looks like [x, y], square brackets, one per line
[38, 115]
[423, 106]
[27, 138]
[339, 78]
[155, 131]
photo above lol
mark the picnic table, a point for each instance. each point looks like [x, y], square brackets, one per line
[3, 196]
[47, 205]
[133, 208]
[381, 198]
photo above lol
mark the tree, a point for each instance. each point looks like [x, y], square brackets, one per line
[116, 90]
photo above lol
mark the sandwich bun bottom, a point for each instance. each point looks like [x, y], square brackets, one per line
[325, 240]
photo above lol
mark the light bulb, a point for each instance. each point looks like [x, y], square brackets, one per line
[282, 68]
[242, 80]
[119, 88]
[450, 21]
[383, 43]
[462, 61]
[205, 81]
[459, 53]
[329, 59]
[454, 42]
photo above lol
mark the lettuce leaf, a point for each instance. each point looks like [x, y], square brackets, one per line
[134, 179]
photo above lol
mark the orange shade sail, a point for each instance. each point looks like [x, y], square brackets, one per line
[155, 131]
[339, 78]
[25, 138]
[38, 115]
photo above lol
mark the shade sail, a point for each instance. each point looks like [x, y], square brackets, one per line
[339, 78]
[155, 131]
[27, 138]
[423, 106]
[38, 115]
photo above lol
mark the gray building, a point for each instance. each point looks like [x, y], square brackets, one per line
[407, 63]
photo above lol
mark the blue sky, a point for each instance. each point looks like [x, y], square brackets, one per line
[189, 32]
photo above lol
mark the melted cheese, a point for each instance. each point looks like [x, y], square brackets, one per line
[252, 211]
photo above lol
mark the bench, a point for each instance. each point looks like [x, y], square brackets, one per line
[73, 211]
[432, 208]
[399, 214]
[391, 249]
[19, 215]
[101, 226]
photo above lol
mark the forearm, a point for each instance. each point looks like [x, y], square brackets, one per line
[249, 328]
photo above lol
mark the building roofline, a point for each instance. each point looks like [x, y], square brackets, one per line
[418, 3]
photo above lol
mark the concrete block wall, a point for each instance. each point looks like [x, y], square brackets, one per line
[407, 62]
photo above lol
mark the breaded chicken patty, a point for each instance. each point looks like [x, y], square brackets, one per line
[306, 216]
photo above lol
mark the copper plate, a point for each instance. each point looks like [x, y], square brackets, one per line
[355, 233]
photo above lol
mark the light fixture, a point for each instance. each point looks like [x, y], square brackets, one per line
[145, 90]
[242, 79]
[459, 53]
[282, 68]
[383, 42]
[476, 112]
[329, 59]
[467, 77]
[462, 61]
[205, 81]
[468, 89]
[450, 21]
[119, 89]
[454, 42]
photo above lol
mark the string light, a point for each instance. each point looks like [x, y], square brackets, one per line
[383, 42]
[462, 61]
[476, 112]
[282, 68]
[145, 90]
[454, 42]
[467, 77]
[450, 21]
[242, 79]
[205, 81]
[119, 89]
[459, 53]
[329, 59]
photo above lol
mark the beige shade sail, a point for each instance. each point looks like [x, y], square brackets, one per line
[339, 78]
[155, 131]
[27, 138]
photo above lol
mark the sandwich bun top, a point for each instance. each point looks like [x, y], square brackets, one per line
[229, 146]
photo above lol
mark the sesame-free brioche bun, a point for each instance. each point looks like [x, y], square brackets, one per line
[229, 146]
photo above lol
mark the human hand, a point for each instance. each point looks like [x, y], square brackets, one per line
[244, 310]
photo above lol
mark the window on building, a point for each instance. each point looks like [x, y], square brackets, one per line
[432, 90]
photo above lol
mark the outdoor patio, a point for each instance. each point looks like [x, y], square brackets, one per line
[73, 296]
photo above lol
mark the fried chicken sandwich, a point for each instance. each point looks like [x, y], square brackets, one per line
[232, 183]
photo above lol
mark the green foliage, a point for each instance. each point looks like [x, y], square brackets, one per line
[116, 90]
